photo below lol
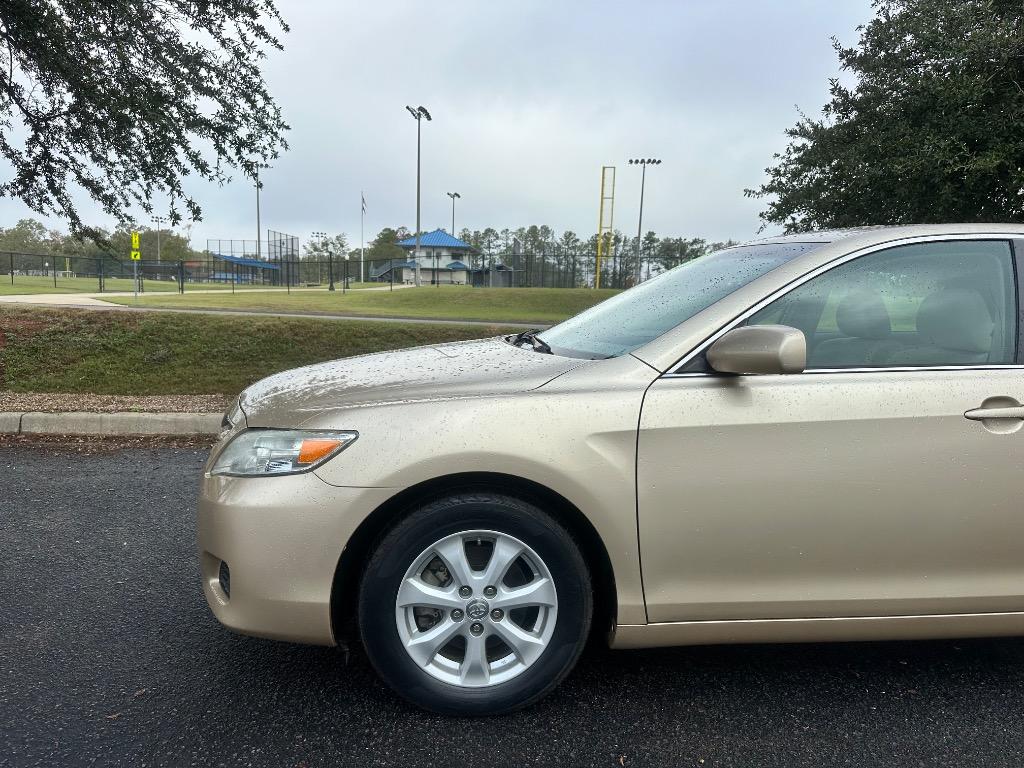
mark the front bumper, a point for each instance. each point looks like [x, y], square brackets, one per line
[281, 538]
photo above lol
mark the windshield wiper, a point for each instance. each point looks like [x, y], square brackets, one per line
[538, 344]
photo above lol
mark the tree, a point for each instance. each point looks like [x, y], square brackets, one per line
[673, 251]
[569, 246]
[383, 248]
[488, 241]
[27, 236]
[173, 247]
[719, 246]
[931, 129]
[647, 249]
[336, 245]
[122, 100]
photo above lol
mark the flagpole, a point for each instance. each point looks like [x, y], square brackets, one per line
[362, 218]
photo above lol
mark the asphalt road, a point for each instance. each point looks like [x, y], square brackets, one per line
[108, 655]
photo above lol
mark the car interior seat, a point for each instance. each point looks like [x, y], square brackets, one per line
[954, 327]
[866, 327]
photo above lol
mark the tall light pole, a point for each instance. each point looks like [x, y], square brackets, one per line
[258, 225]
[324, 243]
[418, 114]
[159, 223]
[453, 196]
[317, 238]
[640, 222]
[362, 239]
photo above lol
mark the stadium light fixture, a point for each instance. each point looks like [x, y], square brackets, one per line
[453, 196]
[418, 113]
[643, 163]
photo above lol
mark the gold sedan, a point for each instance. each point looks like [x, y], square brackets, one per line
[811, 437]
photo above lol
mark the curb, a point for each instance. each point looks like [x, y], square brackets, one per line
[116, 423]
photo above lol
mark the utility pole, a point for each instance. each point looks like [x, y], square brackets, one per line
[418, 114]
[640, 221]
[490, 259]
[362, 240]
[159, 222]
[323, 244]
[330, 266]
[317, 238]
[259, 227]
[453, 196]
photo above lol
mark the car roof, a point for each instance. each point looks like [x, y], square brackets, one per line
[886, 233]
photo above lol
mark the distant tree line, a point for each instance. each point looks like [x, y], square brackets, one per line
[539, 248]
[537, 251]
[32, 237]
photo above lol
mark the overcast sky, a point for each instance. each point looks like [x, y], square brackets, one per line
[529, 99]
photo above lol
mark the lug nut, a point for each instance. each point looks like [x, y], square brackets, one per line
[490, 591]
[497, 614]
[465, 591]
[457, 614]
[476, 628]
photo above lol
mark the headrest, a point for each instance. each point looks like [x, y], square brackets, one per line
[863, 314]
[956, 318]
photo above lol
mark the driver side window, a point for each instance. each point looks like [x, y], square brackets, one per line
[921, 305]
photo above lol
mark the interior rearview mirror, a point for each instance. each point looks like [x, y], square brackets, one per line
[759, 349]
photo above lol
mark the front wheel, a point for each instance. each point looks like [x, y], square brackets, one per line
[476, 604]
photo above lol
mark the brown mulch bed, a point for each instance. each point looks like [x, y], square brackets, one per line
[61, 402]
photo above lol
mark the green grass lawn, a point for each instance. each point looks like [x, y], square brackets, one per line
[167, 354]
[525, 305]
[31, 285]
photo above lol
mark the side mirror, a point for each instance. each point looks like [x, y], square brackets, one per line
[760, 349]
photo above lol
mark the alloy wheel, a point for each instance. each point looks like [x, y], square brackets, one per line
[476, 608]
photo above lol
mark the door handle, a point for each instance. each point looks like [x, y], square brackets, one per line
[984, 414]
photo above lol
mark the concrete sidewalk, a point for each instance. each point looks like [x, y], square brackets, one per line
[86, 302]
[117, 423]
[93, 302]
[57, 299]
[96, 299]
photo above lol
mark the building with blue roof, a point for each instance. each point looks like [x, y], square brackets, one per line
[443, 259]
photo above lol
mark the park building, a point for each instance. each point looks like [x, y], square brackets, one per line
[443, 260]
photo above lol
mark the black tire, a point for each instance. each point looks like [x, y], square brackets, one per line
[395, 554]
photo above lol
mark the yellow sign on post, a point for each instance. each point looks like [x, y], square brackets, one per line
[136, 257]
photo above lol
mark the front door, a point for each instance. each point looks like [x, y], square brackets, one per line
[857, 488]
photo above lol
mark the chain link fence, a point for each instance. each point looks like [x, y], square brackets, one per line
[42, 273]
[239, 265]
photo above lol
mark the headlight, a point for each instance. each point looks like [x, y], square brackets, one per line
[260, 452]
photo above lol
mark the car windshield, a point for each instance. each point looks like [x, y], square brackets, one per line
[634, 317]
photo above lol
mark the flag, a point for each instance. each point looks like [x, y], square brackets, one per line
[363, 198]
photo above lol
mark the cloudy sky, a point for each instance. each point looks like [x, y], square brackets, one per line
[529, 99]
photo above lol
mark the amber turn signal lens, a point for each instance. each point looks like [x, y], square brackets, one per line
[314, 449]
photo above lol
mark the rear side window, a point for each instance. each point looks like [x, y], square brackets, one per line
[922, 305]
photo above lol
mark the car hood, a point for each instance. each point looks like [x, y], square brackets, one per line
[437, 372]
